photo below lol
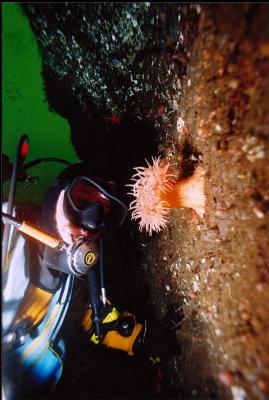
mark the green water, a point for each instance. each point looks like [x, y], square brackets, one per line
[24, 106]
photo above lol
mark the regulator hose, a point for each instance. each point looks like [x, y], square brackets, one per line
[94, 296]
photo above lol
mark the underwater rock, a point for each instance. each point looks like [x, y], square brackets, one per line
[112, 53]
[109, 67]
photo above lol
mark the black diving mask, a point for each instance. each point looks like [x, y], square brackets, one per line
[88, 204]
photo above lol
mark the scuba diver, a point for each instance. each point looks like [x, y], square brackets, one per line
[48, 265]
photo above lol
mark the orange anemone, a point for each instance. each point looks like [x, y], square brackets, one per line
[156, 191]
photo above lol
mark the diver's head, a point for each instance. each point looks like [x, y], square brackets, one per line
[68, 230]
[84, 205]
